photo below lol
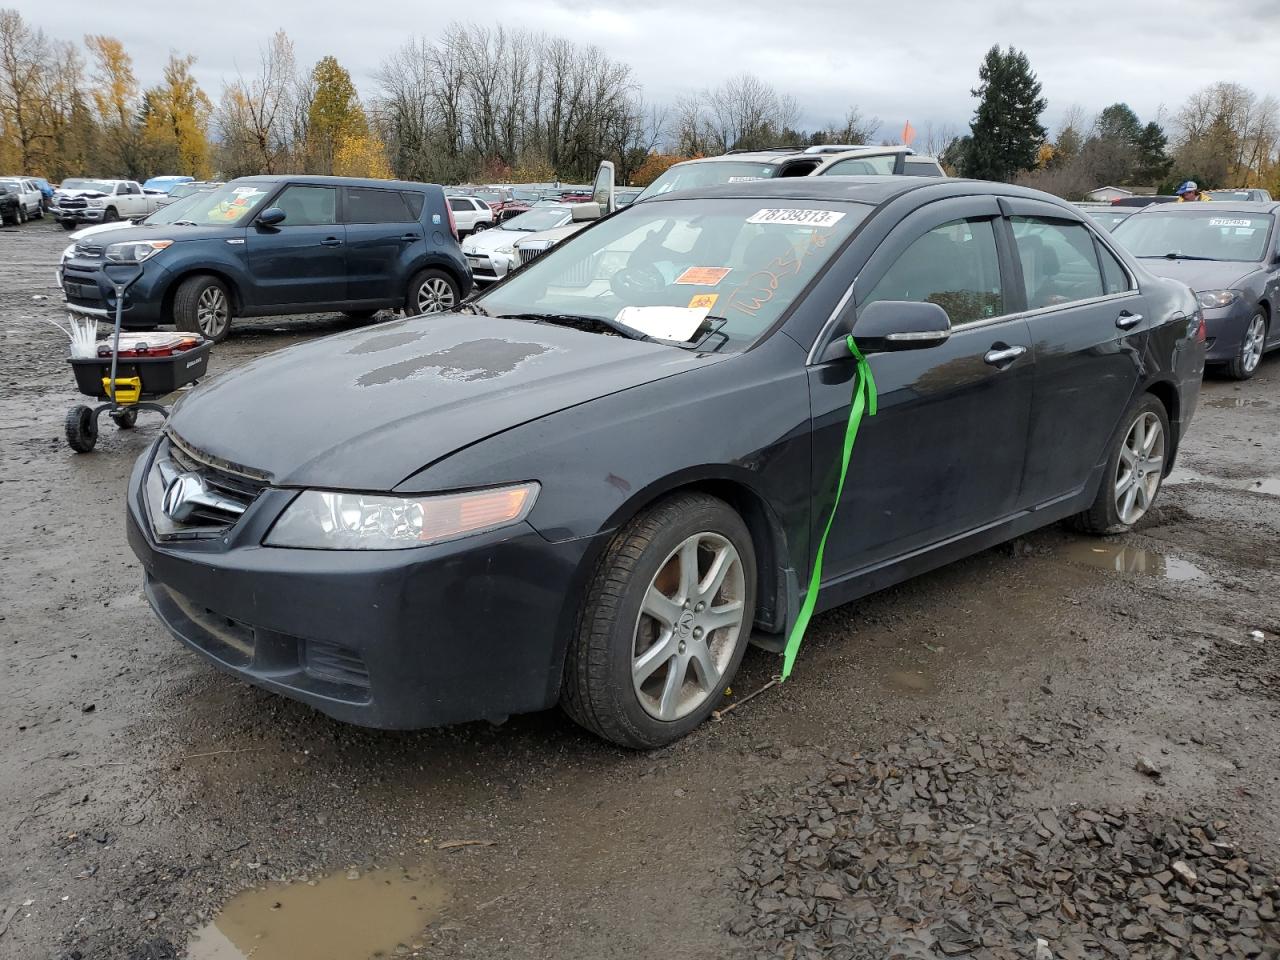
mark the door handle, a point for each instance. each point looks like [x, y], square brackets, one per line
[1000, 356]
[330, 242]
[409, 238]
[1128, 320]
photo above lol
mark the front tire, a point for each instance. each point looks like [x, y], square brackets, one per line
[431, 291]
[203, 305]
[81, 428]
[1135, 470]
[1249, 354]
[665, 623]
[68, 225]
[110, 216]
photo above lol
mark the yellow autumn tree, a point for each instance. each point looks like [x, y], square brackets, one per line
[363, 156]
[114, 95]
[335, 116]
[176, 129]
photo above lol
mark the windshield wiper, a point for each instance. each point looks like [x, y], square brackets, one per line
[184, 223]
[471, 307]
[581, 320]
[1174, 255]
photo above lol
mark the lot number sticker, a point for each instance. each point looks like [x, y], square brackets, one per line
[704, 276]
[807, 218]
[1223, 222]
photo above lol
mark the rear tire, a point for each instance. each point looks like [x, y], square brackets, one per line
[81, 429]
[1252, 345]
[431, 291]
[203, 305]
[1134, 472]
[126, 418]
[39, 214]
[482, 225]
[654, 650]
[22, 215]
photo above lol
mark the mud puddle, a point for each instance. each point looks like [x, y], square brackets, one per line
[1126, 558]
[345, 916]
[1234, 403]
[1268, 485]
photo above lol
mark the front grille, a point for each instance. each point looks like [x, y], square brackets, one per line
[73, 203]
[529, 254]
[219, 496]
[88, 250]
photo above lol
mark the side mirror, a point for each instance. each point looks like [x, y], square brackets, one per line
[891, 325]
[586, 211]
[603, 189]
[271, 216]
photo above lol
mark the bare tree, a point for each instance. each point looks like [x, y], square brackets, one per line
[258, 116]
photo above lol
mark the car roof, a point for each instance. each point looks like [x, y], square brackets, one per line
[317, 180]
[1219, 206]
[873, 190]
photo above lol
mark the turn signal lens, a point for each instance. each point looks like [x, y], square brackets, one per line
[324, 520]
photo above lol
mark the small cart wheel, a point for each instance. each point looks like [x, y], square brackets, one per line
[82, 429]
[125, 418]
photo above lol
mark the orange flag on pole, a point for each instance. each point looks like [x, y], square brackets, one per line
[908, 133]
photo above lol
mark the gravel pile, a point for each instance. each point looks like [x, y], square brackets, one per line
[931, 849]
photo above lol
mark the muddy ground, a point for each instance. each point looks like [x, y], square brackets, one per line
[140, 790]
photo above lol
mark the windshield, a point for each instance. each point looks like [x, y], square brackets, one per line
[163, 183]
[489, 196]
[1230, 194]
[228, 205]
[541, 218]
[180, 209]
[712, 272]
[1109, 219]
[186, 190]
[1199, 234]
[104, 186]
[708, 173]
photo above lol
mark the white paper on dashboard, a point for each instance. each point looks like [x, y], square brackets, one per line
[666, 323]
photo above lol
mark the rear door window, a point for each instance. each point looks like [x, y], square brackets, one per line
[370, 205]
[954, 265]
[461, 205]
[1115, 279]
[416, 202]
[1059, 262]
[862, 166]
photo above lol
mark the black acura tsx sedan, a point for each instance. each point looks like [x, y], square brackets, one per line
[599, 480]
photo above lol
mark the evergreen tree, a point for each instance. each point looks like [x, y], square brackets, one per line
[1006, 132]
[1153, 159]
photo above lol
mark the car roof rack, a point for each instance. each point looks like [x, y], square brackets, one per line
[791, 149]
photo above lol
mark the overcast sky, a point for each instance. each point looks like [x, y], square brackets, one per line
[913, 60]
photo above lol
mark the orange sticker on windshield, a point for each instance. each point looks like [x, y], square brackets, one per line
[704, 301]
[704, 276]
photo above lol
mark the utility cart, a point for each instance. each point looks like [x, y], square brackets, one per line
[133, 372]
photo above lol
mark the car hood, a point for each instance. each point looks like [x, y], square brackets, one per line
[112, 226]
[487, 241]
[79, 193]
[556, 234]
[1201, 274]
[169, 231]
[366, 410]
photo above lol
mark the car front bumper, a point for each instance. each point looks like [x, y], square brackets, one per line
[88, 291]
[1225, 328]
[397, 639]
[86, 215]
[489, 267]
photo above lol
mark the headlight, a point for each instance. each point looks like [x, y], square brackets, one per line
[321, 520]
[1217, 298]
[507, 251]
[135, 251]
[97, 202]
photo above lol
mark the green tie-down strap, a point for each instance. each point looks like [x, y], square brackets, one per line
[864, 402]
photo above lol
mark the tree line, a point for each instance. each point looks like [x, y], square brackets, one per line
[490, 104]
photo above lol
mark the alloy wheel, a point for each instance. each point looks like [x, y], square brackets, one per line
[213, 313]
[435, 296]
[1254, 341]
[688, 628]
[1141, 468]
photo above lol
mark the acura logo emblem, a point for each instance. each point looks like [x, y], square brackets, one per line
[183, 495]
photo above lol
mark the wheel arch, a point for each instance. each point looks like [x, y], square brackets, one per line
[233, 288]
[1166, 391]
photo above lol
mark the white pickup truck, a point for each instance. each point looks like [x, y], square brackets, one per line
[79, 201]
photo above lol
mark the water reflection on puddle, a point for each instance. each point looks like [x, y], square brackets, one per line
[346, 916]
[1268, 485]
[1125, 558]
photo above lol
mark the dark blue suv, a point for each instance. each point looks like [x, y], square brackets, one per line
[263, 246]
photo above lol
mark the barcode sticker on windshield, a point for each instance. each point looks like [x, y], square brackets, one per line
[743, 179]
[793, 217]
[1224, 222]
[246, 191]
